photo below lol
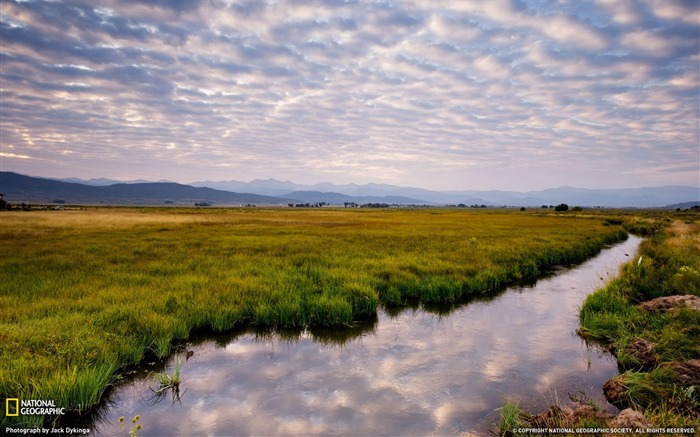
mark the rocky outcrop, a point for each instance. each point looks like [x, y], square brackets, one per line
[668, 303]
[615, 391]
[687, 373]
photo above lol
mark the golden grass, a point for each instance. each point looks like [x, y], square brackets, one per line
[85, 293]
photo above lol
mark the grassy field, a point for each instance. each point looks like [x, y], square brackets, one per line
[85, 294]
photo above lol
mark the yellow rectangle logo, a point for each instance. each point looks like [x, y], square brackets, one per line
[8, 402]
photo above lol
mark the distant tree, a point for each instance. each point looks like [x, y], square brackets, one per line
[577, 209]
[544, 207]
[522, 208]
[562, 207]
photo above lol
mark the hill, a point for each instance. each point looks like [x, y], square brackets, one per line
[20, 188]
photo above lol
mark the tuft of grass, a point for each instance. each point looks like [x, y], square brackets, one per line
[511, 418]
[167, 381]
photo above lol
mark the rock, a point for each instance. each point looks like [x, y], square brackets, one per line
[643, 351]
[615, 392]
[629, 418]
[567, 416]
[668, 303]
[687, 373]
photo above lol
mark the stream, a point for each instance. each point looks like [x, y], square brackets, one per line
[415, 371]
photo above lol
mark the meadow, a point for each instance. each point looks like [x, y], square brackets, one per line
[87, 293]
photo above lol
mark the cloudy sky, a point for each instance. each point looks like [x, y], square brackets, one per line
[457, 94]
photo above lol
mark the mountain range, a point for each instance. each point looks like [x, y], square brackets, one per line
[276, 192]
[20, 188]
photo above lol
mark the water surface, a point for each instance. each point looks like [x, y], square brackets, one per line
[412, 372]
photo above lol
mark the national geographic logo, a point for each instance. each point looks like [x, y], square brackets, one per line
[11, 407]
[31, 407]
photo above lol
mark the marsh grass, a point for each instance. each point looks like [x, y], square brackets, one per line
[87, 293]
[660, 397]
[167, 383]
[511, 418]
[666, 265]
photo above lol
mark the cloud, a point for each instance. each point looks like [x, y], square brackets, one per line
[676, 10]
[350, 91]
[624, 12]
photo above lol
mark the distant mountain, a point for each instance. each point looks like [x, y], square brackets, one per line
[339, 199]
[684, 205]
[268, 187]
[20, 188]
[273, 191]
[101, 182]
[651, 197]
[274, 187]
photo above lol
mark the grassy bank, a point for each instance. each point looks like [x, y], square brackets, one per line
[650, 345]
[86, 293]
[653, 347]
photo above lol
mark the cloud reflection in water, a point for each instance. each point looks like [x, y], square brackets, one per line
[411, 373]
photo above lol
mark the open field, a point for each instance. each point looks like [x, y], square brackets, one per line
[86, 293]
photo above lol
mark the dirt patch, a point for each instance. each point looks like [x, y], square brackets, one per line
[614, 392]
[567, 416]
[668, 303]
[643, 351]
[687, 373]
[574, 416]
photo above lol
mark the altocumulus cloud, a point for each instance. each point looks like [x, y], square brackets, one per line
[439, 94]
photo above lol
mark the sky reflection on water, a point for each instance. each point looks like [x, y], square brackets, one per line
[409, 373]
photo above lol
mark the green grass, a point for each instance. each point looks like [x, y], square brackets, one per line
[667, 264]
[85, 294]
[511, 418]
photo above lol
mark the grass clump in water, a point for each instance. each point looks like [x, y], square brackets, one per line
[511, 418]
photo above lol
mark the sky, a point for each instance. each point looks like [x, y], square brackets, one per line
[445, 95]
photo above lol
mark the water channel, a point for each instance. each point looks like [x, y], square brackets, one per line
[420, 371]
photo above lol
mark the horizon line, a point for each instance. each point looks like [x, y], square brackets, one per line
[134, 181]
